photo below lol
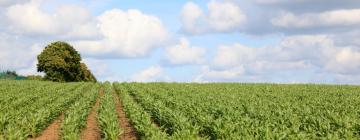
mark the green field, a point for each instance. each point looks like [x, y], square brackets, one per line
[182, 111]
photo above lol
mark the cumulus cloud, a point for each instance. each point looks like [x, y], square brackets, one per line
[211, 75]
[98, 67]
[191, 18]
[112, 34]
[151, 74]
[337, 18]
[222, 16]
[298, 17]
[305, 55]
[68, 21]
[301, 6]
[350, 38]
[320, 40]
[126, 34]
[5, 3]
[21, 57]
[264, 17]
[344, 60]
[184, 54]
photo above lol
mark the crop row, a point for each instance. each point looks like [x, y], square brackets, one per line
[27, 108]
[183, 111]
[250, 111]
[75, 117]
[140, 119]
[108, 117]
[38, 109]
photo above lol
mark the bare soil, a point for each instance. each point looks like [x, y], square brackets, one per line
[92, 130]
[52, 131]
[129, 132]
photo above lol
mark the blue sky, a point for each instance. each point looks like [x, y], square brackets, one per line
[301, 41]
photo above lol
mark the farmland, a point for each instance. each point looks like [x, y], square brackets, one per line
[178, 110]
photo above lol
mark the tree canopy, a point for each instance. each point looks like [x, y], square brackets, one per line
[62, 63]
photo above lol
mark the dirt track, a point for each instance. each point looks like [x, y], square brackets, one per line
[52, 132]
[129, 132]
[92, 130]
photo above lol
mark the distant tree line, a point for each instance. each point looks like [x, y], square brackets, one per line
[8, 74]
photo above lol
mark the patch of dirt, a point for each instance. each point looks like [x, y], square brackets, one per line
[52, 132]
[92, 130]
[129, 132]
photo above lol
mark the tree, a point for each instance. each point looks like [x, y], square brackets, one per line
[86, 73]
[61, 63]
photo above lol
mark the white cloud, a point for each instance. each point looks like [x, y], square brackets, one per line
[225, 16]
[29, 18]
[66, 22]
[99, 68]
[16, 55]
[126, 34]
[333, 53]
[228, 56]
[31, 70]
[292, 49]
[151, 74]
[184, 54]
[348, 17]
[350, 38]
[222, 16]
[347, 79]
[210, 75]
[11, 2]
[295, 57]
[112, 34]
[344, 60]
[270, 1]
[190, 17]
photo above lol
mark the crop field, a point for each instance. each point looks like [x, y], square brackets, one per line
[156, 111]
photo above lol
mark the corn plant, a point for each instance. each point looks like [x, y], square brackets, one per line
[138, 117]
[75, 116]
[35, 106]
[250, 111]
[108, 117]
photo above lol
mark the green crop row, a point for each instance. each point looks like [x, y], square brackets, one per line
[75, 117]
[139, 118]
[42, 106]
[250, 111]
[107, 115]
[183, 111]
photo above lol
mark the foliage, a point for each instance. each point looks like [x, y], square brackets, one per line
[86, 73]
[27, 108]
[61, 63]
[11, 75]
[34, 77]
[139, 118]
[183, 111]
[108, 117]
[247, 111]
[75, 116]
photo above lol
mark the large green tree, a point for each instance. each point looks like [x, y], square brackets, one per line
[62, 63]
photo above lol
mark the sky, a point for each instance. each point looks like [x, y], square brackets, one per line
[272, 41]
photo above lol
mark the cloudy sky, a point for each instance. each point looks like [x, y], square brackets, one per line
[281, 41]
